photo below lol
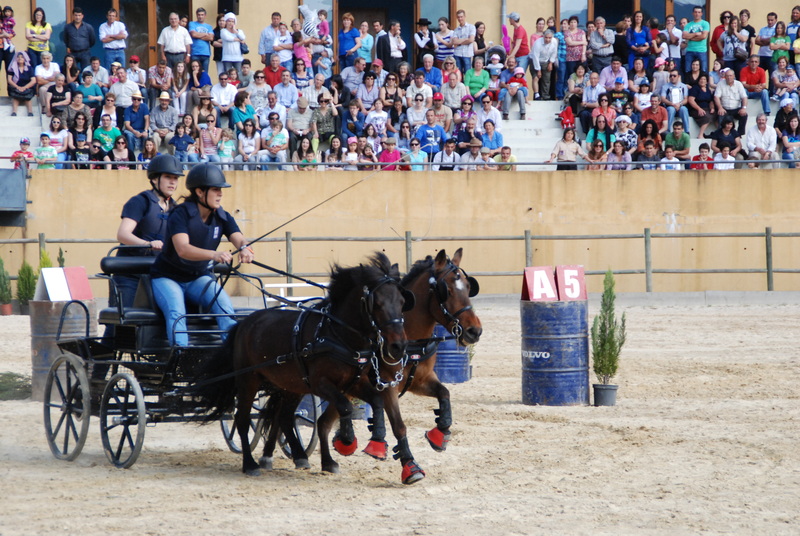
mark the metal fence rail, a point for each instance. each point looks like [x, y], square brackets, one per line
[527, 238]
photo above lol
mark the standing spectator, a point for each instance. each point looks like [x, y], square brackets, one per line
[202, 35]
[544, 56]
[79, 37]
[23, 154]
[174, 42]
[180, 87]
[390, 47]
[780, 44]
[695, 34]
[638, 40]
[267, 39]
[675, 96]
[444, 46]
[21, 83]
[566, 151]
[764, 38]
[724, 22]
[761, 142]
[674, 41]
[45, 155]
[463, 37]
[232, 41]
[730, 98]
[755, 82]
[561, 76]
[367, 42]
[744, 20]
[576, 45]
[733, 43]
[7, 33]
[38, 32]
[601, 43]
[137, 122]
[791, 31]
[424, 40]
[519, 42]
[113, 34]
[164, 119]
[349, 41]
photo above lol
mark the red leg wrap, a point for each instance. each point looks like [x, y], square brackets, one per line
[377, 449]
[345, 450]
[438, 439]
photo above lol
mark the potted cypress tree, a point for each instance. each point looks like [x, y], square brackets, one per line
[608, 338]
[5, 291]
[26, 286]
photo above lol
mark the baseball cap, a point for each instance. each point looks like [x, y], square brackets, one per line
[44, 135]
[514, 16]
[27, 141]
[378, 62]
[619, 80]
[645, 82]
[134, 58]
[438, 96]
[80, 137]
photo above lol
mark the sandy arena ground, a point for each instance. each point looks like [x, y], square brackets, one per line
[704, 439]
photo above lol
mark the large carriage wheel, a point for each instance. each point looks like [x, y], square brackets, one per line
[66, 407]
[123, 419]
[305, 425]
[256, 427]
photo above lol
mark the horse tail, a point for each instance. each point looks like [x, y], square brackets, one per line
[216, 384]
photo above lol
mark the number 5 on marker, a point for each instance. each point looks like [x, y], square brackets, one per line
[571, 283]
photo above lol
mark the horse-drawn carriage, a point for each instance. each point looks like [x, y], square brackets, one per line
[352, 342]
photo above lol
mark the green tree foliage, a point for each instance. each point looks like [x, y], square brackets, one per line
[5, 284]
[26, 283]
[608, 334]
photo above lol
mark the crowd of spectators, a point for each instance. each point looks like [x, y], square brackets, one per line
[447, 93]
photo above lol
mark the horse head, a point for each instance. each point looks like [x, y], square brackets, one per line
[370, 299]
[452, 289]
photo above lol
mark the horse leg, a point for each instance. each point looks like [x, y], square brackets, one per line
[344, 441]
[324, 425]
[246, 394]
[287, 415]
[269, 416]
[412, 472]
[377, 447]
[439, 437]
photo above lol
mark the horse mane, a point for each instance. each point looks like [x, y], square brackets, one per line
[344, 279]
[422, 265]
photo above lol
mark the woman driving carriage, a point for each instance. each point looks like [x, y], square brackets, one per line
[183, 270]
[144, 219]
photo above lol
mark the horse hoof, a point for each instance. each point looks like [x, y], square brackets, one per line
[302, 464]
[412, 472]
[253, 472]
[265, 462]
[331, 468]
[438, 439]
[377, 449]
[345, 449]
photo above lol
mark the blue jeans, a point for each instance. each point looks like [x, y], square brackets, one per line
[345, 61]
[561, 80]
[683, 115]
[523, 61]
[463, 64]
[764, 96]
[112, 55]
[135, 143]
[184, 156]
[171, 297]
[691, 56]
[204, 61]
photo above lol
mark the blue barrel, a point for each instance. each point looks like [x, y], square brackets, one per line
[452, 359]
[555, 353]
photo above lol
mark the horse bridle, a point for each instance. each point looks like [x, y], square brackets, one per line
[436, 286]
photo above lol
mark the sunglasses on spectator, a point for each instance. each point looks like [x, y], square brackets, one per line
[97, 146]
[136, 98]
[486, 101]
[259, 78]
[223, 78]
[419, 100]
[415, 145]
[120, 142]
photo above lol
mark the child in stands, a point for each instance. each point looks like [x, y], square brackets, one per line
[23, 154]
[702, 160]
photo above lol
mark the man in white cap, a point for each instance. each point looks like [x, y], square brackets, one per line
[163, 119]
[519, 42]
[786, 112]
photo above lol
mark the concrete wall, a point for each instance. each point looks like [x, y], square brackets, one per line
[86, 204]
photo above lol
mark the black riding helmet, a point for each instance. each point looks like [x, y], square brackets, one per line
[164, 163]
[206, 176]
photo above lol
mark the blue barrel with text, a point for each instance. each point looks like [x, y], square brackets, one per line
[452, 359]
[555, 353]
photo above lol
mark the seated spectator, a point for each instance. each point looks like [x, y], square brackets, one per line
[657, 114]
[419, 88]
[79, 126]
[486, 163]
[96, 154]
[137, 122]
[222, 97]
[703, 160]
[641, 100]
[123, 89]
[470, 160]
[272, 106]
[505, 160]
[249, 144]
[76, 107]
[755, 83]
[210, 144]
[785, 82]
[368, 92]
[391, 91]
[433, 75]
[58, 98]
[670, 162]
[163, 119]
[368, 157]
[334, 156]
[106, 133]
[373, 138]
[302, 77]
[353, 76]
[761, 142]
[199, 84]
[21, 82]
[491, 139]
[516, 88]
[431, 135]
[675, 97]
[313, 92]
[59, 139]
[635, 118]
[353, 120]
[242, 109]
[324, 121]
[618, 95]
[787, 110]
[92, 94]
[626, 135]
[109, 108]
[120, 152]
[730, 98]
[575, 85]
[791, 141]
[609, 75]
[275, 144]
[447, 159]
[727, 134]
[701, 105]
[274, 72]
[649, 156]
[477, 79]
[589, 102]
[46, 74]
[259, 90]
[596, 155]
[397, 115]
[618, 158]
[694, 73]
[377, 69]
[566, 151]
[303, 155]
[148, 153]
[416, 156]
[246, 77]
[466, 135]
[601, 132]
[99, 73]
[138, 75]
[184, 145]
[724, 160]
[390, 155]
[379, 119]
[487, 111]
[444, 116]
[159, 80]
[461, 116]
[660, 77]
[679, 140]
[649, 132]
[404, 136]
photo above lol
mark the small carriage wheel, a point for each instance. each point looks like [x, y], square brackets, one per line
[123, 420]
[256, 426]
[67, 407]
[305, 425]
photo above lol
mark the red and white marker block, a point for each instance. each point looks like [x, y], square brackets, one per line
[571, 283]
[565, 283]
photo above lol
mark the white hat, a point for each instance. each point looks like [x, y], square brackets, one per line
[621, 118]
[786, 101]
[229, 16]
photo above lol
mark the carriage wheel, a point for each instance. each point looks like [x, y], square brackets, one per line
[123, 420]
[67, 407]
[305, 425]
[256, 427]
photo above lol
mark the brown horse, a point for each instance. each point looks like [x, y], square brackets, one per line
[356, 333]
[442, 292]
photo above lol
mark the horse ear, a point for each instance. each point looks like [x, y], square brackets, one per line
[410, 300]
[457, 256]
[395, 270]
[441, 259]
[474, 287]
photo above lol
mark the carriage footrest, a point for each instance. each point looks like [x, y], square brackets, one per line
[132, 315]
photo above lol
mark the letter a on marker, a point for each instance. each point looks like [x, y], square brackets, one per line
[539, 284]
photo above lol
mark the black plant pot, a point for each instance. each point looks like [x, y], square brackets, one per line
[605, 395]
